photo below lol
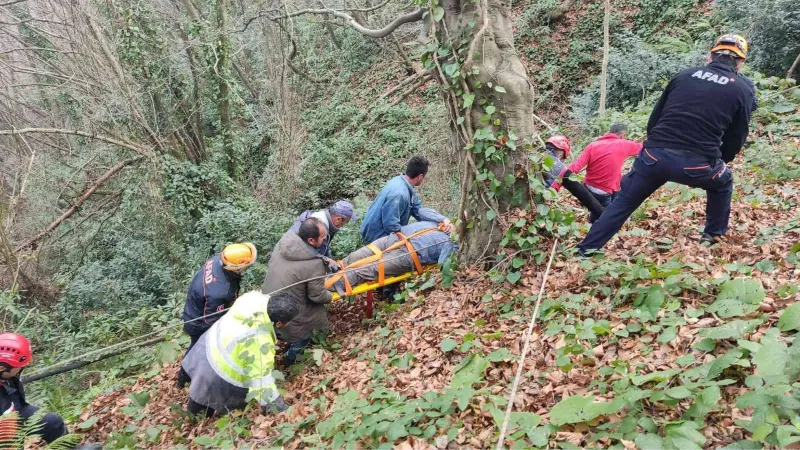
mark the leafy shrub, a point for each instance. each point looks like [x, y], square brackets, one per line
[772, 27]
[635, 70]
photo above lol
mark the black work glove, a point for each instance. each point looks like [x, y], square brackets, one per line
[276, 407]
[333, 266]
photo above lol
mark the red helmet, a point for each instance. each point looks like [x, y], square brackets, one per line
[561, 142]
[15, 350]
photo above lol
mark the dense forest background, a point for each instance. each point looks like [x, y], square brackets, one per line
[140, 137]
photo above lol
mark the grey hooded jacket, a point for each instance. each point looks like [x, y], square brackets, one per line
[294, 261]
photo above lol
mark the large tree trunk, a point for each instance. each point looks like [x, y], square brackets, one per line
[490, 60]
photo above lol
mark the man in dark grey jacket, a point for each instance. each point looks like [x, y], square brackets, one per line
[296, 267]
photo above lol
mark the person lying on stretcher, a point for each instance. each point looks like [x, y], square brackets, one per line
[418, 244]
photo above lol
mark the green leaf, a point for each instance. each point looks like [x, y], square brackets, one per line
[781, 108]
[765, 266]
[490, 109]
[88, 423]
[500, 89]
[577, 409]
[686, 436]
[738, 297]
[318, 353]
[731, 330]
[679, 392]
[685, 360]
[513, 277]
[460, 120]
[437, 12]
[649, 442]
[447, 345]
[762, 431]
[790, 318]
[705, 402]
[744, 445]
[501, 354]
[396, 431]
[705, 345]
[658, 376]
[468, 99]
[490, 215]
[450, 69]
[517, 262]
[669, 334]
[204, 441]
[469, 371]
[772, 357]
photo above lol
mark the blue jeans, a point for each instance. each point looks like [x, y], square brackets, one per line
[604, 200]
[294, 351]
[651, 169]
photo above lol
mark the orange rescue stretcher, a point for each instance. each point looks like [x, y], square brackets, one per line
[382, 281]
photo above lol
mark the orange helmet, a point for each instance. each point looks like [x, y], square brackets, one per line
[731, 44]
[15, 350]
[238, 257]
[561, 142]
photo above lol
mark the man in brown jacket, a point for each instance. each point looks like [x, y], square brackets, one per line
[297, 266]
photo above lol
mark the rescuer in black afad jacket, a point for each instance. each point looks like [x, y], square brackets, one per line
[699, 124]
[213, 289]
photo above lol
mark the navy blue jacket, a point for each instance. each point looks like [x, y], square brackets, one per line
[12, 394]
[212, 289]
[704, 110]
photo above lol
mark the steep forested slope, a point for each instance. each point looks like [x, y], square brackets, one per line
[315, 112]
[662, 343]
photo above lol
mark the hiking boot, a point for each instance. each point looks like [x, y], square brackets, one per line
[183, 379]
[707, 239]
[89, 446]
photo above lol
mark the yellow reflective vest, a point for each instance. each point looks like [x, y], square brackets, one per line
[241, 347]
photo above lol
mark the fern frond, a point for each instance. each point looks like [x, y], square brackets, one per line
[66, 442]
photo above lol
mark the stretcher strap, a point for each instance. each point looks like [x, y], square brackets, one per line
[411, 251]
[403, 241]
[381, 264]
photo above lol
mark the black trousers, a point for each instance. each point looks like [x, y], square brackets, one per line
[52, 424]
[196, 408]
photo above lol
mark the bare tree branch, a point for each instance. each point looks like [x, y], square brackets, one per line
[80, 201]
[425, 74]
[414, 16]
[267, 13]
[293, 53]
[97, 137]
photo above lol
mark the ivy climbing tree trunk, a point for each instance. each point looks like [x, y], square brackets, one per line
[223, 72]
[490, 101]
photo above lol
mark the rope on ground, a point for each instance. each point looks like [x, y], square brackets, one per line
[135, 342]
[525, 347]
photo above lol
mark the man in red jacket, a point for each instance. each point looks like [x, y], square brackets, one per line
[603, 160]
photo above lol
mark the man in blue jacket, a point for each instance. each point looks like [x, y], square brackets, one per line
[699, 124]
[397, 202]
[213, 289]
